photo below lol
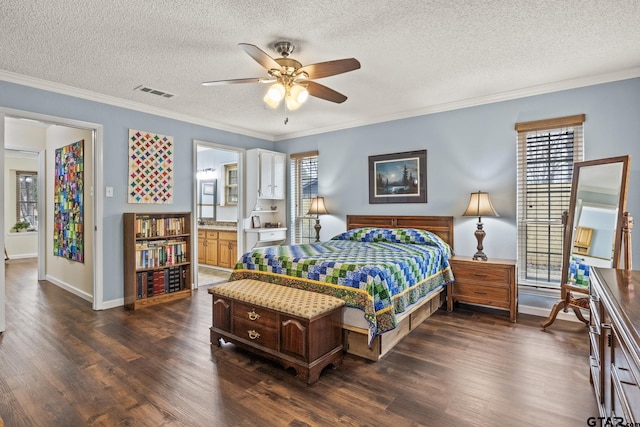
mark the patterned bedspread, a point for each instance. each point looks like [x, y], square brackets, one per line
[380, 271]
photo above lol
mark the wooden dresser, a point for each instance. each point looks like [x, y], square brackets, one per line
[491, 283]
[299, 329]
[614, 333]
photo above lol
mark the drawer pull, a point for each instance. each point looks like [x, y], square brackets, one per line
[253, 334]
[479, 275]
[253, 315]
[479, 292]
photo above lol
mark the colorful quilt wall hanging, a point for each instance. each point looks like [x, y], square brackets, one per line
[68, 207]
[150, 168]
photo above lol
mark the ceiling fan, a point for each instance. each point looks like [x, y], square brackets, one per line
[289, 79]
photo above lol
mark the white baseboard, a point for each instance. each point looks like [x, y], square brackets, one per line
[67, 287]
[112, 304]
[22, 256]
[544, 312]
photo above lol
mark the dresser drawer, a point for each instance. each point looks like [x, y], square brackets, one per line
[481, 275]
[490, 295]
[254, 314]
[255, 333]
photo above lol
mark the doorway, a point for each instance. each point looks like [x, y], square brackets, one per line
[25, 132]
[218, 206]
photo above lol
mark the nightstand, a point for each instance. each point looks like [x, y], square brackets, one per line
[490, 283]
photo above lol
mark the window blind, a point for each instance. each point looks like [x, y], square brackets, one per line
[547, 150]
[304, 173]
[27, 197]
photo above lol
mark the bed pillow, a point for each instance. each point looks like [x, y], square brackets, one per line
[395, 235]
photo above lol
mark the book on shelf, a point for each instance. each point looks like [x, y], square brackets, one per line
[158, 282]
[159, 227]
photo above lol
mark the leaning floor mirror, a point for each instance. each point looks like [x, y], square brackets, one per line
[597, 229]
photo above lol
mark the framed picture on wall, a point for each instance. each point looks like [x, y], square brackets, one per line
[398, 177]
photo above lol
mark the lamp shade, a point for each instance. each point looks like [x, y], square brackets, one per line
[317, 207]
[480, 205]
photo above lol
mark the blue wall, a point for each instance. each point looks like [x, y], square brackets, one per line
[116, 122]
[469, 149]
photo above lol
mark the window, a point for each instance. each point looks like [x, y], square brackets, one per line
[547, 150]
[231, 184]
[304, 187]
[27, 198]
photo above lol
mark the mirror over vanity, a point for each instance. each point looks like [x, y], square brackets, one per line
[596, 229]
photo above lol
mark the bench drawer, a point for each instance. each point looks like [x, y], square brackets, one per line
[255, 314]
[255, 333]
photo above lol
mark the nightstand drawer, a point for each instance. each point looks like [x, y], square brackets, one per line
[482, 275]
[488, 295]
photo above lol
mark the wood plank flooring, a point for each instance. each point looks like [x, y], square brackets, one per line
[63, 364]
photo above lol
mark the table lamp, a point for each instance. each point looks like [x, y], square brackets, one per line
[480, 205]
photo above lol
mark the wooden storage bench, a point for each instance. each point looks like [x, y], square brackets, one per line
[299, 329]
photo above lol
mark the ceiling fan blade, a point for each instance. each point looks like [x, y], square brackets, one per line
[323, 92]
[260, 56]
[231, 82]
[330, 68]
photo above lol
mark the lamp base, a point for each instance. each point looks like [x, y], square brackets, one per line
[479, 255]
[317, 227]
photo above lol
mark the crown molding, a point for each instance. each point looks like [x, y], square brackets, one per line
[473, 102]
[119, 102]
[455, 105]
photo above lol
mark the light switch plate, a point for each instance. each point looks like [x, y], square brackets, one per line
[109, 192]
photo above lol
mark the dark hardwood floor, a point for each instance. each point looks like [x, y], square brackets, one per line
[62, 364]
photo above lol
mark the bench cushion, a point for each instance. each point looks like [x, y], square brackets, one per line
[292, 301]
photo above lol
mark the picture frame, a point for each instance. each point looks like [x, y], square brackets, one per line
[255, 221]
[398, 177]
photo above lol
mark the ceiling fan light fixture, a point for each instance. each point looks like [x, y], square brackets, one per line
[299, 93]
[276, 92]
[292, 104]
[270, 102]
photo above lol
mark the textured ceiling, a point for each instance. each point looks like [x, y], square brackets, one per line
[417, 56]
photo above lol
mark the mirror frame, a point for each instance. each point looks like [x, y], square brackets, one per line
[622, 205]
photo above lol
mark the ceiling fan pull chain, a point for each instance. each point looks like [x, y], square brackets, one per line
[286, 116]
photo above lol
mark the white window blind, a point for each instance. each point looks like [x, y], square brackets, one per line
[547, 150]
[304, 178]
[27, 198]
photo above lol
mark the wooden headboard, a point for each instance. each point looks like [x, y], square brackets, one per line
[440, 225]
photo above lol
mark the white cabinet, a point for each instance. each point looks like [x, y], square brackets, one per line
[265, 197]
[256, 237]
[271, 175]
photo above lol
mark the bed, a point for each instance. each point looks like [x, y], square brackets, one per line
[391, 272]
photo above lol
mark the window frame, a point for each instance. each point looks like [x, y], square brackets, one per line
[20, 202]
[302, 225]
[559, 176]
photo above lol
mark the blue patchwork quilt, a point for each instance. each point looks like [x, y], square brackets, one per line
[381, 271]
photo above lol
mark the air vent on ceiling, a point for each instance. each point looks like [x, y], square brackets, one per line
[155, 91]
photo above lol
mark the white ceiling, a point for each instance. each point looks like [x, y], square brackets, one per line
[417, 56]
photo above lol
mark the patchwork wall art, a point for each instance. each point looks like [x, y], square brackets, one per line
[150, 168]
[68, 206]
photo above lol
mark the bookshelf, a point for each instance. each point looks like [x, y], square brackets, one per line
[157, 258]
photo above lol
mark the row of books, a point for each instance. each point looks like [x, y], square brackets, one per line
[152, 283]
[159, 253]
[158, 227]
